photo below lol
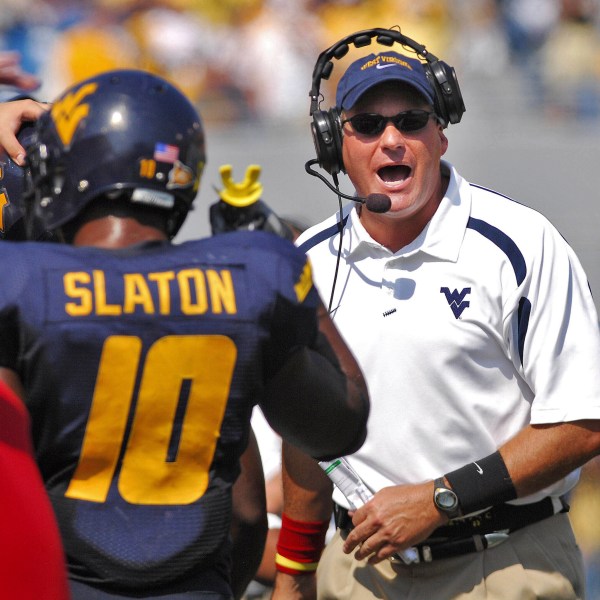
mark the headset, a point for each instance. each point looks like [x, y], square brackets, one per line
[326, 126]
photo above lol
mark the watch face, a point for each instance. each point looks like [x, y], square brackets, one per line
[446, 499]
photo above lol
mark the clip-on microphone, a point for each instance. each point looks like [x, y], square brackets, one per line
[377, 203]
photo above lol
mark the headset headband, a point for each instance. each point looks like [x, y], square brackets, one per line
[360, 39]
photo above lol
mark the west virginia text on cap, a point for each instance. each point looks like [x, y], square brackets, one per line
[374, 69]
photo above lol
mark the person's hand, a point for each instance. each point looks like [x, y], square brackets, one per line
[394, 519]
[255, 217]
[12, 74]
[12, 117]
[295, 587]
[240, 206]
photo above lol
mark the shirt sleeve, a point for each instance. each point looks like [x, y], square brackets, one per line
[556, 327]
[294, 316]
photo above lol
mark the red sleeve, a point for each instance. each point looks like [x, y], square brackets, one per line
[31, 556]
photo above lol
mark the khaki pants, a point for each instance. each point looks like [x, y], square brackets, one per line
[538, 561]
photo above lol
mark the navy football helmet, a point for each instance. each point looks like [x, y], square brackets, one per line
[124, 134]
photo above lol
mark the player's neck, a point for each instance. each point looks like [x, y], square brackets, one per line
[116, 232]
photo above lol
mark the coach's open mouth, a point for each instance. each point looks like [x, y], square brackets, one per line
[394, 173]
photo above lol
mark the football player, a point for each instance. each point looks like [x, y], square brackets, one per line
[140, 360]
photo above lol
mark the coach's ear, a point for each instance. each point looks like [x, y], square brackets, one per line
[443, 140]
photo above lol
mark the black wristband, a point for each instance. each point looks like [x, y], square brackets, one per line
[481, 484]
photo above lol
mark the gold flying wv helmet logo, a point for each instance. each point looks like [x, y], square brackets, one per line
[69, 111]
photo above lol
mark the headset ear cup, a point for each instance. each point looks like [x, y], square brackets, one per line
[456, 103]
[327, 135]
[449, 103]
[438, 105]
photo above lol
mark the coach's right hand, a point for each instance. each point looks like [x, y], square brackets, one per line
[396, 518]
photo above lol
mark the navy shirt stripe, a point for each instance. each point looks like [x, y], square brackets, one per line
[524, 312]
[508, 246]
[322, 236]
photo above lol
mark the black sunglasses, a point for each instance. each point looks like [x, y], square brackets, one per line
[373, 123]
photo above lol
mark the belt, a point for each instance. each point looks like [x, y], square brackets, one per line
[472, 533]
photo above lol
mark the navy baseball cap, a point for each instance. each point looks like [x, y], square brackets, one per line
[374, 69]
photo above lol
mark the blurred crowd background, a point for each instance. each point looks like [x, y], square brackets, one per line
[250, 62]
[250, 59]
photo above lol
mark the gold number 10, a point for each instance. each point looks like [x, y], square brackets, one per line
[146, 476]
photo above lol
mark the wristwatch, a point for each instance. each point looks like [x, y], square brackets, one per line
[445, 499]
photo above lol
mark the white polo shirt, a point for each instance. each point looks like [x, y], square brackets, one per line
[483, 324]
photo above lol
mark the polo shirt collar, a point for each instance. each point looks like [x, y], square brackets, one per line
[441, 238]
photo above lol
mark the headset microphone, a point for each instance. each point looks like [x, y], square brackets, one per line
[377, 203]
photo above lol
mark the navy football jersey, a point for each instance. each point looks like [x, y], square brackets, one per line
[141, 367]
